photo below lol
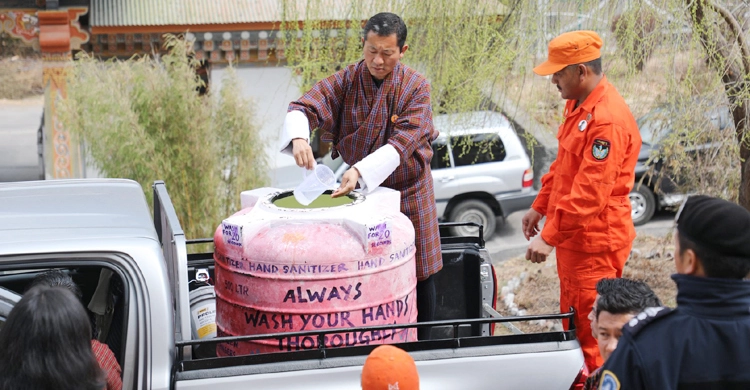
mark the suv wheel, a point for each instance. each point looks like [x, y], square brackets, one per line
[473, 211]
[643, 204]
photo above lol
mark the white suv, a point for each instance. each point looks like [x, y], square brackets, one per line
[480, 170]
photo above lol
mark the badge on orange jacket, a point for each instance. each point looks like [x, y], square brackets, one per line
[600, 150]
[584, 123]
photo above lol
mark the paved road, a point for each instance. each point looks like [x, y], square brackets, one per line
[508, 240]
[19, 122]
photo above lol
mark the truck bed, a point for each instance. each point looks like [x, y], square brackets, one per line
[462, 352]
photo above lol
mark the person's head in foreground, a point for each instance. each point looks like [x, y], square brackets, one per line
[389, 368]
[712, 239]
[56, 278]
[46, 344]
[574, 62]
[703, 342]
[618, 301]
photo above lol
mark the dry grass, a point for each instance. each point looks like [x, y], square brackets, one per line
[654, 266]
[539, 289]
[20, 77]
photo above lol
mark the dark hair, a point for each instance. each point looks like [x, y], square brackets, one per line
[715, 264]
[624, 296]
[385, 24]
[56, 278]
[45, 344]
[595, 65]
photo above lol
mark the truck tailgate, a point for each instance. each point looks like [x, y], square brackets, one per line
[548, 365]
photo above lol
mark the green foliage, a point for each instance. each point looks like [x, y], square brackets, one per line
[655, 53]
[459, 45]
[461, 48]
[633, 30]
[656, 56]
[697, 147]
[317, 48]
[143, 119]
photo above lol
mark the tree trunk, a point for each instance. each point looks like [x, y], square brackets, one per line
[734, 75]
[740, 115]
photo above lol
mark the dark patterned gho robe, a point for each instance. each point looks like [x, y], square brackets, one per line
[359, 117]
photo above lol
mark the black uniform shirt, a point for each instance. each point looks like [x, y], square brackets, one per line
[702, 344]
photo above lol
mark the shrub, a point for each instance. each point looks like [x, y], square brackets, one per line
[143, 119]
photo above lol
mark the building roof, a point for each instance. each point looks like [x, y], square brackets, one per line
[125, 13]
[109, 13]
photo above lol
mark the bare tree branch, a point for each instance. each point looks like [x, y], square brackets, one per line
[734, 25]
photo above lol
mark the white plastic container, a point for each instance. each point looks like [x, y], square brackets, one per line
[316, 181]
[203, 312]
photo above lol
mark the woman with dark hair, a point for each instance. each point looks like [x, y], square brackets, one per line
[46, 345]
[104, 356]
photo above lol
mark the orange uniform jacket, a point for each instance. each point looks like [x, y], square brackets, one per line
[585, 194]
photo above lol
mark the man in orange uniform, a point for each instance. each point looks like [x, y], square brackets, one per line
[585, 194]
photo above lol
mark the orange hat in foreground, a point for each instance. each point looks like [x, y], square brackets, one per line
[575, 47]
[389, 368]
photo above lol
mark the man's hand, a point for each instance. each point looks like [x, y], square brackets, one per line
[348, 183]
[530, 223]
[538, 250]
[303, 154]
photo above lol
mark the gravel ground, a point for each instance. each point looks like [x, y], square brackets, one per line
[526, 288]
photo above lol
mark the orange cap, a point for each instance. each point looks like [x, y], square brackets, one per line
[570, 48]
[389, 368]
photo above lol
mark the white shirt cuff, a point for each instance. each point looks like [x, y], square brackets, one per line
[295, 126]
[375, 168]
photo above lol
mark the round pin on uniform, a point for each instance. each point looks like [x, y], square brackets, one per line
[582, 125]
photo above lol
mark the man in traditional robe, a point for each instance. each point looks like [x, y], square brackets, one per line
[378, 117]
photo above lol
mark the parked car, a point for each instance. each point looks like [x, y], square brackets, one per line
[656, 189]
[480, 169]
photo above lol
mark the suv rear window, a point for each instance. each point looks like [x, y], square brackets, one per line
[440, 158]
[478, 149]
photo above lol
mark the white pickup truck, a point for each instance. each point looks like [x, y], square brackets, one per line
[138, 269]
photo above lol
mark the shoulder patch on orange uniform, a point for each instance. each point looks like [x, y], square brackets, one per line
[600, 149]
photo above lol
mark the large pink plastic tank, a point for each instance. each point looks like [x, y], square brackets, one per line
[288, 270]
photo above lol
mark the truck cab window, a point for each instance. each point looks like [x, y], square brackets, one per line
[100, 291]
